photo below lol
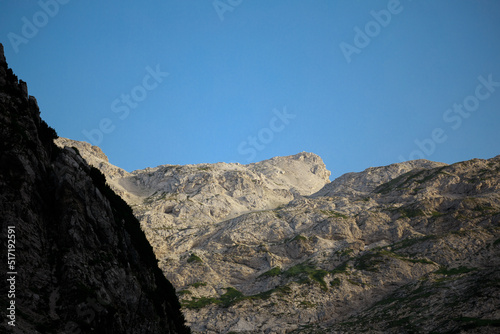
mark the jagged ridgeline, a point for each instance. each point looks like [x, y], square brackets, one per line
[274, 247]
[81, 262]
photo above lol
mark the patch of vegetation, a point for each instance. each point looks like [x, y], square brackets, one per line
[369, 262]
[431, 175]
[194, 258]
[405, 300]
[318, 275]
[333, 214]
[413, 175]
[198, 284]
[483, 208]
[354, 282]
[299, 238]
[340, 269]
[184, 292]
[335, 282]
[387, 187]
[311, 272]
[405, 180]
[157, 197]
[453, 271]
[198, 303]
[411, 213]
[280, 290]
[276, 271]
[403, 258]
[307, 304]
[231, 297]
[436, 214]
[298, 269]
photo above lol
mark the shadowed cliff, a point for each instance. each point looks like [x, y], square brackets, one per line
[81, 262]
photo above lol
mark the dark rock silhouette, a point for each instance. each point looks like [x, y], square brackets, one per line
[82, 263]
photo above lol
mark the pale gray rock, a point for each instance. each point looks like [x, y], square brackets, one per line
[274, 247]
[367, 180]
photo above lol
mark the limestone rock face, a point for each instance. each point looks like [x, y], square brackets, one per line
[82, 262]
[273, 247]
[366, 181]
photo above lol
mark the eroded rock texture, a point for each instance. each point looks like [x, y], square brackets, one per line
[274, 247]
[83, 264]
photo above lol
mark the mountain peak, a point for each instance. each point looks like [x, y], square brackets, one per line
[238, 188]
[366, 181]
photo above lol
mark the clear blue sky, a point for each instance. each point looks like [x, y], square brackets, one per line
[362, 82]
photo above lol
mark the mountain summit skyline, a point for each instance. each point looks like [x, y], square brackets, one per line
[170, 82]
[275, 247]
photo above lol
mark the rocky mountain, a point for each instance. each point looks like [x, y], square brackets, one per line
[274, 247]
[74, 257]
